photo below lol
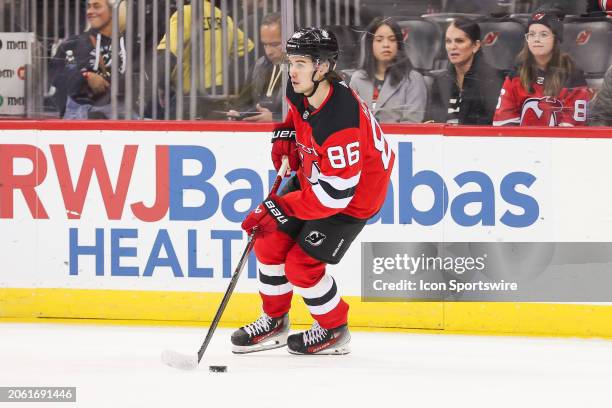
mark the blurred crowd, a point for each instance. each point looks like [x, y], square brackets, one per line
[547, 67]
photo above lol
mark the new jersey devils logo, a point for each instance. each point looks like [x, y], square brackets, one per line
[490, 38]
[541, 111]
[583, 37]
[310, 165]
[315, 238]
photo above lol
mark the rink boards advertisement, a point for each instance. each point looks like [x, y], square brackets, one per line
[155, 215]
[15, 54]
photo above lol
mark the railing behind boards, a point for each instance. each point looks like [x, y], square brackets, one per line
[151, 86]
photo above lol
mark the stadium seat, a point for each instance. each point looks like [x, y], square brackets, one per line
[502, 40]
[522, 17]
[444, 19]
[349, 44]
[430, 78]
[588, 41]
[423, 41]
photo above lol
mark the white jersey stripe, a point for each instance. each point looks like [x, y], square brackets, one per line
[275, 290]
[340, 183]
[272, 270]
[318, 290]
[329, 201]
[507, 121]
[327, 307]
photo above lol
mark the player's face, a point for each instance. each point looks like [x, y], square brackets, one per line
[98, 13]
[270, 36]
[384, 44]
[300, 73]
[540, 40]
[459, 47]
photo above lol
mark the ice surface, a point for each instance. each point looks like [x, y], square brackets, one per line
[120, 366]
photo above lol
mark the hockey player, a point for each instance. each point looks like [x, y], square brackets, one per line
[547, 89]
[343, 168]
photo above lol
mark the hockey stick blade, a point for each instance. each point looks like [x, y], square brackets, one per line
[180, 361]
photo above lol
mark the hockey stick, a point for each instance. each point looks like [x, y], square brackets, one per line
[190, 362]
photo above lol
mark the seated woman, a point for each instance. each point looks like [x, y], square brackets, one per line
[467, 92]
[393, 90]
[547, 88]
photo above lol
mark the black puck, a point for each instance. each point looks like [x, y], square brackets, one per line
[217, 369]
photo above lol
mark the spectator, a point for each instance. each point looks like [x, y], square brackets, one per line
[599, 8]
[600, 108]
[387, 82]
[80, 71]
[244, 46]
[566, 6]
[262, 92]
[253, 17]
[547, 89]
[467, 92]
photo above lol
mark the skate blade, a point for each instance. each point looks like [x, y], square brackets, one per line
[332, 351]
[338, 349]
[270, 344]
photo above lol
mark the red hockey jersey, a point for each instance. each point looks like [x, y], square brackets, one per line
[516, 106]
[346, 162]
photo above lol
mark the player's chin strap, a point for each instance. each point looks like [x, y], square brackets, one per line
[316, 83]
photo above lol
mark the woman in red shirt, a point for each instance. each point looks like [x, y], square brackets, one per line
[547, 88]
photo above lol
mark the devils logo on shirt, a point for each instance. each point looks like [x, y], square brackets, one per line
[606, 6]
[310, 165]
[541, 111]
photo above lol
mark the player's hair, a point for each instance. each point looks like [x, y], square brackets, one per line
[334, 76]
[559, 69]
[400, 66]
